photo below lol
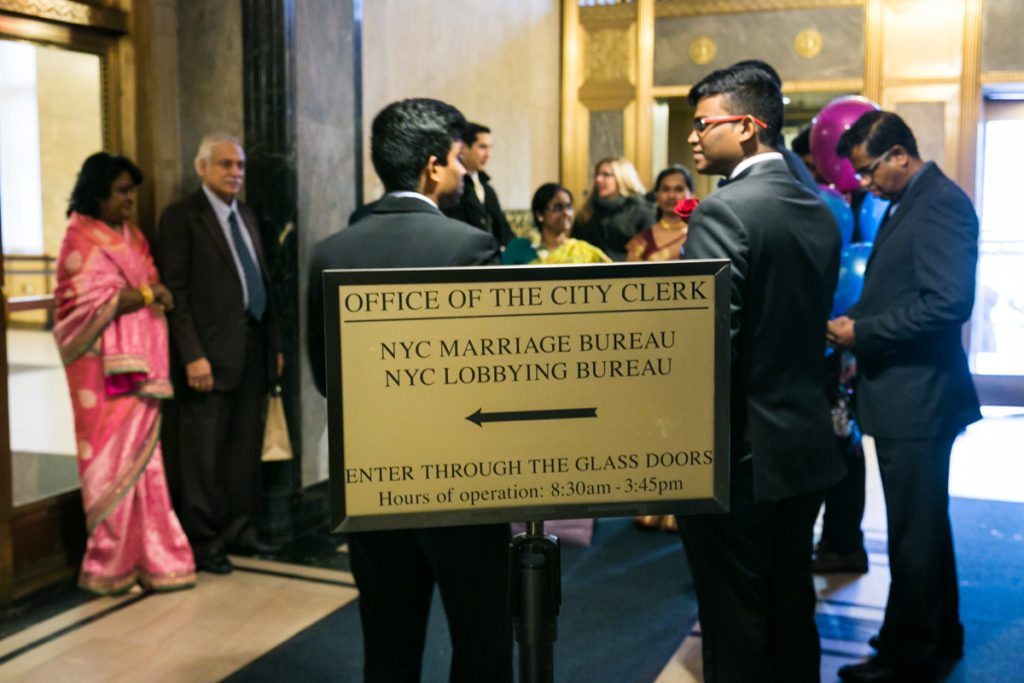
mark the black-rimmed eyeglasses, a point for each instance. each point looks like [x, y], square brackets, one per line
[869, 170]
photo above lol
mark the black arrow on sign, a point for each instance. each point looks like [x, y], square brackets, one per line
[479, 417]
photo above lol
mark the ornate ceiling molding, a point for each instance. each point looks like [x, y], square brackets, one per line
[623, 13]
[68, 12]
[691, 8]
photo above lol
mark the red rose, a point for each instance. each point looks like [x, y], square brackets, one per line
[684, 209]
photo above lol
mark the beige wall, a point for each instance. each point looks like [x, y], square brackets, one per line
[498, 61]
[326, 159]
[209, 77]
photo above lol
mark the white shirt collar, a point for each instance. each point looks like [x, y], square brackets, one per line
[750, 161]
[417, 195]
[222, 209]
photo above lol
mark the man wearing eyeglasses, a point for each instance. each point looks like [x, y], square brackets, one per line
[752, 566]
[915, 391]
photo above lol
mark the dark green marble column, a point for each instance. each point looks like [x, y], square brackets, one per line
[300, 74]
[268, 75]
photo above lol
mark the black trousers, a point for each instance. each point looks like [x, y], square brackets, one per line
[922, 615]
[752, 571]
[396, 572]
[220, 439]
[844, 504]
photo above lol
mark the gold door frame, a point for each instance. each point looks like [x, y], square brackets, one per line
[40, 542]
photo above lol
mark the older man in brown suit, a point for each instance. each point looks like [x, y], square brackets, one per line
[226, 349]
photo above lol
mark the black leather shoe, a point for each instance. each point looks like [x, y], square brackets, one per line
[215, 564]
[252, 546]
[840, 563]
[953, 651]
[873, 670]
[878, 669]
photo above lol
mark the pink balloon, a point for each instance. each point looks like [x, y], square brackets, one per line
[831, 122]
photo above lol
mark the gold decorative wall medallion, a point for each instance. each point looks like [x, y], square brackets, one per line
[702, 50]
[607, 55]
[808, 43]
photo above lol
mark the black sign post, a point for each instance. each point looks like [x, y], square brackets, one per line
[535, 594]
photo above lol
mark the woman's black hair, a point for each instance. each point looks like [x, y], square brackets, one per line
[672, 170]
[96, 179]
[544, 194]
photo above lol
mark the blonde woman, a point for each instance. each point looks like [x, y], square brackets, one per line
[615, 210]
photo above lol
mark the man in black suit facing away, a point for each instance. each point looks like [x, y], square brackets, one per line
[479, 205]
[752, 566]
[915, 391]
[415, 147]
[226, 350]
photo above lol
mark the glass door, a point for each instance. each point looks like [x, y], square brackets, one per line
[43, 142]
[997, 326]
[51, 119]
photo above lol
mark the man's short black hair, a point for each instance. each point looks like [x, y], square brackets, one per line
[748, 90]
[404, 136]
[471, 130]
[881, 130]
[763, 66]
[801, 144]
[96, 180]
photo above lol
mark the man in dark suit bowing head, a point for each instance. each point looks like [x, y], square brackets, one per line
[915, 392]
[415, 146]
[752, 566]
[226, 349]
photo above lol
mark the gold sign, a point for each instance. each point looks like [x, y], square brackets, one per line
[808, 43]
[501, 394]
[702, 50]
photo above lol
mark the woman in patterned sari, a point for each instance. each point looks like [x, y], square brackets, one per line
[112, 338]
[664, 240]
[552, 215]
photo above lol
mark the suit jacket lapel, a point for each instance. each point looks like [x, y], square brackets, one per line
[903, 207]
[213, 229]
[470, 194]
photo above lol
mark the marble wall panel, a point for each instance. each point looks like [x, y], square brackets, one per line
[927, 120]
[326, 102]
[498, 62]
[762, 35]
[922, 39]
[209, 76]
[168, 170]
[1002, 48]
[606, 136]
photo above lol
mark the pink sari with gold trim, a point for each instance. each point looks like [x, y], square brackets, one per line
[117, 371]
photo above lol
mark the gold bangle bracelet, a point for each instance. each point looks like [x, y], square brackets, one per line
[147, 295]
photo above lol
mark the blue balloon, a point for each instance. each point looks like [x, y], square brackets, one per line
[869, 218]
[840, 209]
[852, 264]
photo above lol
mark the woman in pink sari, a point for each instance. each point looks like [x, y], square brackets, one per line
[112, 338]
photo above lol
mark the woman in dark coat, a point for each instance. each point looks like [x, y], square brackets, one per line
[615, 210]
